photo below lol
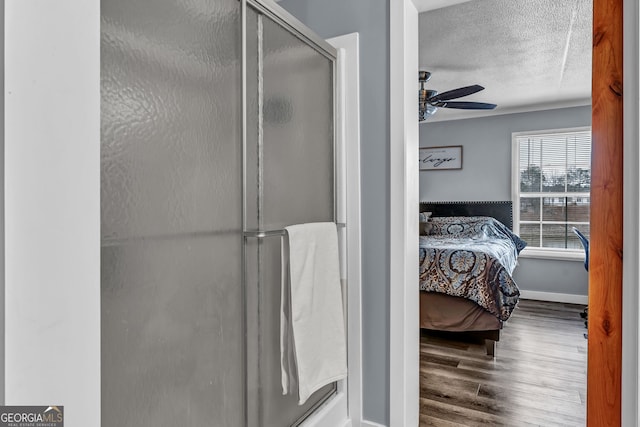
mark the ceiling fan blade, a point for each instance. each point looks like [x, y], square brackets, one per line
[465, 105]
[456, 93]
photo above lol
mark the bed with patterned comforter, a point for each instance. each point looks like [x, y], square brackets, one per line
[472, 258]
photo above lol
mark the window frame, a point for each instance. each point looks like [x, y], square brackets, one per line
[537, 252]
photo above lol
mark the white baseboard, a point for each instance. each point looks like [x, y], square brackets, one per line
[366, 423]
[554, 297]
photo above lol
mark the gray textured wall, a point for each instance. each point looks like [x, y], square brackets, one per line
[370, 18]
[486, 175]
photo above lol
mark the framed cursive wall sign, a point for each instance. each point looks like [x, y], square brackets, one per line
[441, 158]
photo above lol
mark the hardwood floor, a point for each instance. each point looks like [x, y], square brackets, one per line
[538, 377]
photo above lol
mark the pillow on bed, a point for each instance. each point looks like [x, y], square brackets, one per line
[498, 228]
[520, 244]
[459, 226]
[425, 224]
[474, 227]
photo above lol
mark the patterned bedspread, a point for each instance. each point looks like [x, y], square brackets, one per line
[473, 258]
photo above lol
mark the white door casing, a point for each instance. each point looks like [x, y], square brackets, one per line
[404, 188]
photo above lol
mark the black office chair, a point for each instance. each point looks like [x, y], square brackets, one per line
[585, 245]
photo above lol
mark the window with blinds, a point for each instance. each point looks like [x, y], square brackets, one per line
[551, 187]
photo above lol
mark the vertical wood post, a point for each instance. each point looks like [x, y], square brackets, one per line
[605, 263]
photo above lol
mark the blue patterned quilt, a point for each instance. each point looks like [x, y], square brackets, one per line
[473, 258]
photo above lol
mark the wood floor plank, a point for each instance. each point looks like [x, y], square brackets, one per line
[458, 415]
[428, 421]
[537, 378]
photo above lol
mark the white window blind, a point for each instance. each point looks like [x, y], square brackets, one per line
[552, 187]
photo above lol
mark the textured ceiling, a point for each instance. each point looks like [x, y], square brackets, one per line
[425, 5]
[528, 54]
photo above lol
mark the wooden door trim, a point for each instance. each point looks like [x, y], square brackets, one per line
[604, 371]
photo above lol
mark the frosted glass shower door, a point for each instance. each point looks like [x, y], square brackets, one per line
[171, 189]
[289, 180]
[190, 303]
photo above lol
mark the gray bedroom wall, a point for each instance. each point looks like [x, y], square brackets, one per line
[370, 18]
[486, 175]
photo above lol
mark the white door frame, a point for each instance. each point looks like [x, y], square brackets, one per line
[404, 316]
[52, 206]
[345, 409]
[404, 384]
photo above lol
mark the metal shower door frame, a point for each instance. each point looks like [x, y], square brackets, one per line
[298, 29]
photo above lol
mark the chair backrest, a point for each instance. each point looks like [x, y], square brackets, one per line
[585, 245]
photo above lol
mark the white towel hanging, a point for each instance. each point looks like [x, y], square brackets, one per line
[312, 335]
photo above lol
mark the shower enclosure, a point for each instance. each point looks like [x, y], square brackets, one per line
[217, 132]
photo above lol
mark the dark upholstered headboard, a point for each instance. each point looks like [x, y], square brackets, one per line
[502, 211]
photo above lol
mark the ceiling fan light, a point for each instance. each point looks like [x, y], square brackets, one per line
[425, 113]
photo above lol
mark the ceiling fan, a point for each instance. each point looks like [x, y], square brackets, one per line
[430, 100]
